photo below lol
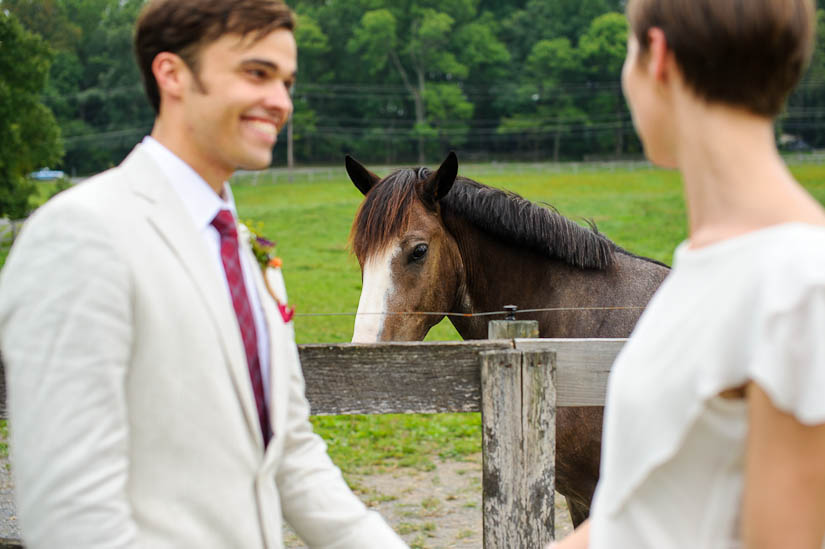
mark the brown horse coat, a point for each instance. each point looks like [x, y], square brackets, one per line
[432, 241]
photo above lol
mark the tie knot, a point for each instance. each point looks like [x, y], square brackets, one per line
[225, 224]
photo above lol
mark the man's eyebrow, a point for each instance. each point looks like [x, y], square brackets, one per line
[264, 62]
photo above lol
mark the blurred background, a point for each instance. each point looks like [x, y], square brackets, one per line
[392, 82]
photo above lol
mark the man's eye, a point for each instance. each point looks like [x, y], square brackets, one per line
[256, 73]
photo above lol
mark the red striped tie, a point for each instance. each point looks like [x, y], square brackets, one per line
[225, 224]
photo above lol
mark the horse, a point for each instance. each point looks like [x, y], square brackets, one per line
[436, 242]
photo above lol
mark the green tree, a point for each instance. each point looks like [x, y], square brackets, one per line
[48, 19]
[29, 135]
[565, 88]
[313, 45]
[543, 20]
[552, 64]
[422, 46]
[602, 51]
[94, 86]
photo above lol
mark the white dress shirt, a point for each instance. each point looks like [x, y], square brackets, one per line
[203, 204]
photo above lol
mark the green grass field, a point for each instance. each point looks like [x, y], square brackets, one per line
[641, 210]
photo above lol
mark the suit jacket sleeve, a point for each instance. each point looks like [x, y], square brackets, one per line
[315, 499]
[65, 332]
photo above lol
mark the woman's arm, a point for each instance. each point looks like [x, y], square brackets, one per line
[579, 539]
[784, 496]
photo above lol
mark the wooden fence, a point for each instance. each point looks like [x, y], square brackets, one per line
[515, 383]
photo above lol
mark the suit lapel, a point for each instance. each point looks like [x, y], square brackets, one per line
[279, 353]
[166, 213]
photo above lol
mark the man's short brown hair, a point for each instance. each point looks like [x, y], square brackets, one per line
[745, 53]
[184, 27]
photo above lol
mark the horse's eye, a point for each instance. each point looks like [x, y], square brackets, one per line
[418, 252]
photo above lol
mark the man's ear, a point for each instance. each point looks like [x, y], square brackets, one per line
[171, 74]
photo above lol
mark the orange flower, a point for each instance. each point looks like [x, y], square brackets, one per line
[275, 262]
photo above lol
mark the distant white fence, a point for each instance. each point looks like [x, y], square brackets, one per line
[480, 170]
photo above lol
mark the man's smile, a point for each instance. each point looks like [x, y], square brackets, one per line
[267, 129]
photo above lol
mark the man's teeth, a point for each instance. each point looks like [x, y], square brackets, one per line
[265, 127]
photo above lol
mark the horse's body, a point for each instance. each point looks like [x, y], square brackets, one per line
[431, 242]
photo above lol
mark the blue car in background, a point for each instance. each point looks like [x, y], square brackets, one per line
[45, 174]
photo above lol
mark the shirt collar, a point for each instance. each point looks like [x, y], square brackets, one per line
[198, 197]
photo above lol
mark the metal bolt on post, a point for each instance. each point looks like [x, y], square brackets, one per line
[510, 328]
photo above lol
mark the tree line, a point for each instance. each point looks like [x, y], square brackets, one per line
[389, 81]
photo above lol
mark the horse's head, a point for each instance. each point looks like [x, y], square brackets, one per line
[409, 261]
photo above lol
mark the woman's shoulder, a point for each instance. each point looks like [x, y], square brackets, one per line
[781, 260]
[790, 265]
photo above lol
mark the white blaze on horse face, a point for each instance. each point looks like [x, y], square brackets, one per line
[375, 296]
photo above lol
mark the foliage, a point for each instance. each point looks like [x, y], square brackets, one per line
[393, 82]
[431, 51]
[29, 135]
[94, 85]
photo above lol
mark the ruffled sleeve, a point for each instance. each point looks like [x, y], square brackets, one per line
[788, 361]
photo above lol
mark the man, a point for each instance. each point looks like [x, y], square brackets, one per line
[155, 394]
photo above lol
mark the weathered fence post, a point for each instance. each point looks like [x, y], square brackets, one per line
[518, 415]
[502, 477]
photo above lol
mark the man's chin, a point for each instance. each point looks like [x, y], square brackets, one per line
[256, 163]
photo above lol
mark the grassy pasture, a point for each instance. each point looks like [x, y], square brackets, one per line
[641, 209]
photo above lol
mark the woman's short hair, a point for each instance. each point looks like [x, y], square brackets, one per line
[184, 27]
[746, 53]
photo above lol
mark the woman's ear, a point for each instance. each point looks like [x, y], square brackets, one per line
[659, 55]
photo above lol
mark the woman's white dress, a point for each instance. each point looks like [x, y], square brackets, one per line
[747, 308]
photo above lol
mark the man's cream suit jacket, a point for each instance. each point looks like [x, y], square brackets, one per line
[133, 421]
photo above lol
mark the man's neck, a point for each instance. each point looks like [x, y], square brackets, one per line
[183, 149]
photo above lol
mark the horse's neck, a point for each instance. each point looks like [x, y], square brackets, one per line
[499, 274]
[496, 275]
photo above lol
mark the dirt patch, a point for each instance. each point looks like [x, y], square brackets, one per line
[436, 509]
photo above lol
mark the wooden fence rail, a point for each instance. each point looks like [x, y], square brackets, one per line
[515, 383]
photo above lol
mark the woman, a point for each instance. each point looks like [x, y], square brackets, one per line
[715, 419]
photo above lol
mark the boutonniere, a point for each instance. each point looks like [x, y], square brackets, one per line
[264, 250]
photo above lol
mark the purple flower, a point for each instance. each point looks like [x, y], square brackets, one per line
[263, 242]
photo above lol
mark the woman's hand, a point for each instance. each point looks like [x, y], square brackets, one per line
[579, 539]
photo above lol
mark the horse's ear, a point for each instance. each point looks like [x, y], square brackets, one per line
[363, 179]
[440, 183]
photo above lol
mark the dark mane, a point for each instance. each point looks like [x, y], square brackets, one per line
[385, 212]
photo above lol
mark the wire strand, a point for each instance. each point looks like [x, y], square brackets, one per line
[470, 315]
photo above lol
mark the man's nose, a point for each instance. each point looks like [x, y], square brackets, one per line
[279, 99]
